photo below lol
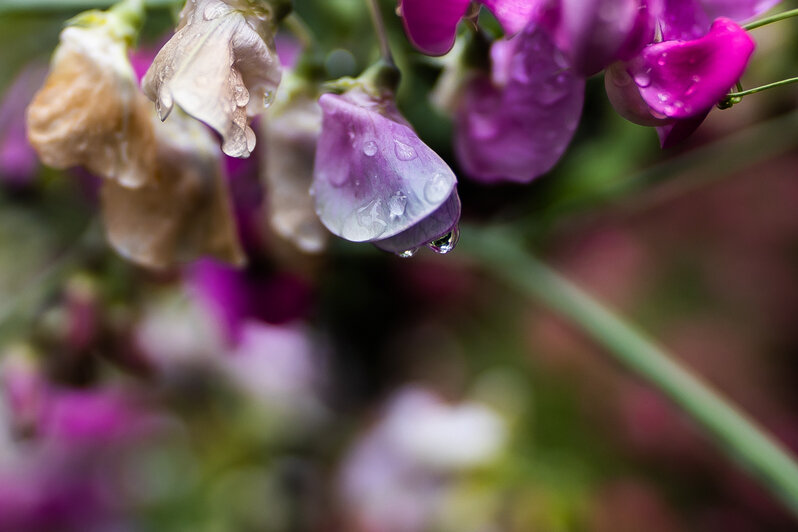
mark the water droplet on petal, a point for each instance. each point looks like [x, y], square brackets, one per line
[437, 189]
[397, 205]
[268, 99]
[370, 148]
[403, 151]
[643, 79]
[241, 96]
[446, 243]
[407, 253]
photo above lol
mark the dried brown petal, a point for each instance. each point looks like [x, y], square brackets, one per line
[90, 112]
[185, 213]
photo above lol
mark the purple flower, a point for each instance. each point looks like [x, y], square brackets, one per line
[432, 26]
[681, 79]
[376, 181]
[690, 19]
[18, 160]
[516, 126]
[595, 33]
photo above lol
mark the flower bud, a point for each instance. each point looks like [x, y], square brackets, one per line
[376, 181]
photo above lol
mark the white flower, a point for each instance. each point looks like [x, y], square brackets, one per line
[220, 67]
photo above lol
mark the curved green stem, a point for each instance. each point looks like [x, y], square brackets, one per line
[773, 85]
[740, 436]
[770, 20]
[379, 28]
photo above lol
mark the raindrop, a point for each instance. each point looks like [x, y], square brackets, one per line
[397, 205]
[370, 148]
[241, 96]
[268, 99]
[407, 253]
[446, 243]
[437, 188]
[643, 79]
[403, 151]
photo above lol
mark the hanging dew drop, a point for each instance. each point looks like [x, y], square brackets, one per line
[446, 243]
[407, 253]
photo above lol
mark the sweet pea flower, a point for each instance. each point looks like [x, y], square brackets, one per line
[673, 84]
[184, 212]
[516, 124]
[432, 26]
[595, 33]
[89, 111]
[219, 67]
[376, 181]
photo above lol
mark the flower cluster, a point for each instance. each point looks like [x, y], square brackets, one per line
[668, 62]
[349, 155]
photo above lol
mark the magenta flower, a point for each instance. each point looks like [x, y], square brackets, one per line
[376, 181]
[595, 33]
[432, 26]
[681, 79]
[517, 125]
[690, 19]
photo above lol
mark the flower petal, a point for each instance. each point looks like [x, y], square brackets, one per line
[514, 15]
[219, 69]
[737, 10]
[90, 111]
[593, 32]
[182, 215]
[432, 28]
[290, 133]
[680, 79]
[518, 131]
[441, 222]
[374, 178]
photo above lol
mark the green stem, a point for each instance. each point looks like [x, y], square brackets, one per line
[741, 437]
[773, 85]
[379, 28]
[770, 20]
[7, 6]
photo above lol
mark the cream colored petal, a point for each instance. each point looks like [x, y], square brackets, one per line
[90, 112]
[184, 214]
[218, 65]
[289, 147]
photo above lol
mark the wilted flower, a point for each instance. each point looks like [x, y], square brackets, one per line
[290, 131]
[432, 26]
[376, 181]
[219, 67]
[516, 124]
[184, 212]
[89, 111]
